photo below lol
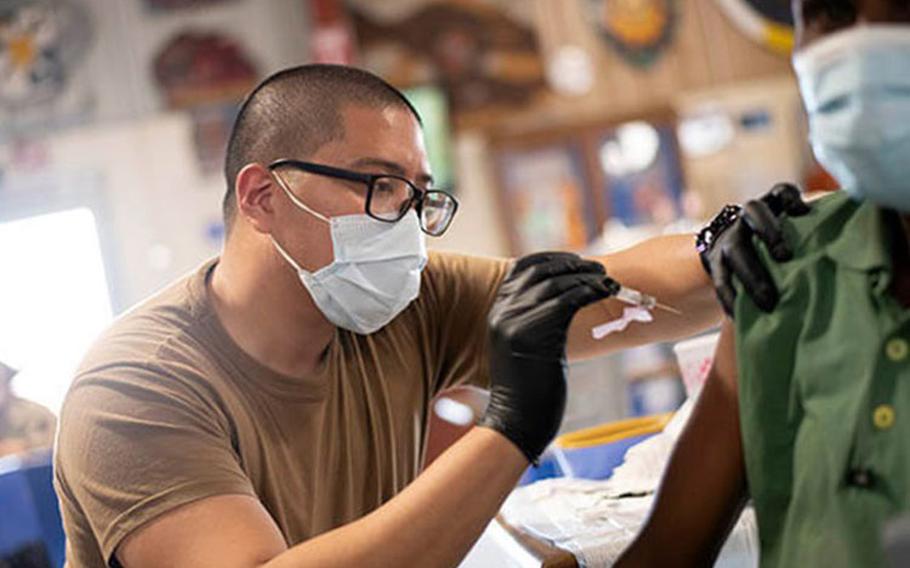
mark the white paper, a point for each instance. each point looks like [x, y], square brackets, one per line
[597, 520]
[577, 516]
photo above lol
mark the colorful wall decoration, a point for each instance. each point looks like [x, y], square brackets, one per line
[638, 30]
[484, 59]
[207, 73]
[547, 199]
[768, 22]
[43, 45]
[642, 174]
[198, 67]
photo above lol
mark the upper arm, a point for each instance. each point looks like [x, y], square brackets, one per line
[704, 487]
[134, 445]
[224, 531]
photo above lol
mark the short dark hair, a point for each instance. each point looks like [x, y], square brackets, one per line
[294, 112]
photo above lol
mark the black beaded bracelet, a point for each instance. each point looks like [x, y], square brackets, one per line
[706, 237]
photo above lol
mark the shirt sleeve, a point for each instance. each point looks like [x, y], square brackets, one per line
[461, 290]
[134, 443]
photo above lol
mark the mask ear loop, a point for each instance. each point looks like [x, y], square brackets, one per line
[285, 255]
[300, 205]
[297, 202]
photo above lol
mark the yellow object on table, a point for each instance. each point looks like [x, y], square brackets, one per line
[613, 431]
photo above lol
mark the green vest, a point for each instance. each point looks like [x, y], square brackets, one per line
[824, 391]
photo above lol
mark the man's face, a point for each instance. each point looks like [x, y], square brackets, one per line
[376, 141]
[818, 18]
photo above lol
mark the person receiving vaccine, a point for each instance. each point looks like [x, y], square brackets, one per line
[806, 411]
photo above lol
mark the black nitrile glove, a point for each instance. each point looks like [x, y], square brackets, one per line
[727, 250]
[528, 323]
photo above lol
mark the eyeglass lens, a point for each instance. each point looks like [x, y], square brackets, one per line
[392, 197]
[437, 212]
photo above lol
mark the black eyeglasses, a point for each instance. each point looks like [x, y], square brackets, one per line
[389, 197]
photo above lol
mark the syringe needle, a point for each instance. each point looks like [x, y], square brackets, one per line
[668, 309]
[635, 298]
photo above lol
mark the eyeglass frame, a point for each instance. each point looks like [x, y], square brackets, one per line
[369, 180]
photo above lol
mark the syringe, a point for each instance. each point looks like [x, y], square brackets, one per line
[636, 298]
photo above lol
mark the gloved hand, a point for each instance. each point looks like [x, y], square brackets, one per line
[727, 250]
[528, 324]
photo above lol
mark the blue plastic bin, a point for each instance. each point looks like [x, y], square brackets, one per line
[30, 522]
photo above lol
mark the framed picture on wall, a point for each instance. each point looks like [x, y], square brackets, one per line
[642, 176]
[546, 198]
[557, 187]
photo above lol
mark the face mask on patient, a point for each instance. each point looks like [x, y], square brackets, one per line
[856, 88]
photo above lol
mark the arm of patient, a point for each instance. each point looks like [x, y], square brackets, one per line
[704, 488]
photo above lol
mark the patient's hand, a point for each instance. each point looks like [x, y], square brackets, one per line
[727, 248]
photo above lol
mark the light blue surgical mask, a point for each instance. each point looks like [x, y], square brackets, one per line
[375, 273]
[856, 88]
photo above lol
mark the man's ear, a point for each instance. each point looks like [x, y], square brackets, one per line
[255, 192]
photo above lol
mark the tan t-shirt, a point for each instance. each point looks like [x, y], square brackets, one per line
[167, 409]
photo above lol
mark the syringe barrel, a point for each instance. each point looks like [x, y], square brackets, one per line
[635, 298]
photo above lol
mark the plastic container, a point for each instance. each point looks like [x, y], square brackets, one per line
[593, 453]
[31, 531]
[695, 357]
